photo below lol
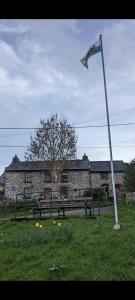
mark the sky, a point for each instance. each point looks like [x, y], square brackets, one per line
[41, 74]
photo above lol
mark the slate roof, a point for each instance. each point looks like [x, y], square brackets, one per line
[105, 166]
[79, 164]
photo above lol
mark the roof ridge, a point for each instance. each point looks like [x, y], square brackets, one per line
[105, 160]
[39, 161]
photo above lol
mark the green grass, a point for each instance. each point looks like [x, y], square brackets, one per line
[81, 249]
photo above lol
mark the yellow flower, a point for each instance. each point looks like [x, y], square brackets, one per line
[59, 224]
[40, 225]
[37, 225]
[54, 222]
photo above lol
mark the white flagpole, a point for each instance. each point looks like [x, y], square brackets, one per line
[116, 226]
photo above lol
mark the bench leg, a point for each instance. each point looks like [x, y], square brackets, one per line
[61, 211]
[87, 209]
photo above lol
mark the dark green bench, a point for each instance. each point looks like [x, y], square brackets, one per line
[61, 205]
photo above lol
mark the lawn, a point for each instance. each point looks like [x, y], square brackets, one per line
[81, 248]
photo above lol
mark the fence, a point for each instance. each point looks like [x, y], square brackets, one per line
[51, 203]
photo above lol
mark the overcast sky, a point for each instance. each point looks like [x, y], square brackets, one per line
[41, 74]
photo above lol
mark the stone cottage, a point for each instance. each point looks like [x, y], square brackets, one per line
[33, 178]
[2, 185]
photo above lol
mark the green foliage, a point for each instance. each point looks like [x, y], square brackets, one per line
[95, 192]
[29, 236]
[8, 208]
[87, 192]
[130, 177]
[26, 238]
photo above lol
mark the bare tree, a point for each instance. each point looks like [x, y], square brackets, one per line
[55, 141]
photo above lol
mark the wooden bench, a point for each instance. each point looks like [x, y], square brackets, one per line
[62, 205]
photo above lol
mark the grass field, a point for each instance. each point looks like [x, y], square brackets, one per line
[80, 249]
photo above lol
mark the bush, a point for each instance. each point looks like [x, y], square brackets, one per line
[101, 192]
[94, 193]
[7, 207]
[27, 203]
[87, 193]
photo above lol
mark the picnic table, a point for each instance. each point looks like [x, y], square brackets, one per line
[61, 205]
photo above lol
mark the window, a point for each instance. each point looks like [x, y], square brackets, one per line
[48, 177]
[28, 193]
[64, 192]
[28, 177]
[64, 177]
[104, 176]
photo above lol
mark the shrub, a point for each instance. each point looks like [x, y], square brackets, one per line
[22, 204]
[5, 208]
[94, 193]
[101, 192]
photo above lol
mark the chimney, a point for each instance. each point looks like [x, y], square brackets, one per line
[15, 159]
[85, 157]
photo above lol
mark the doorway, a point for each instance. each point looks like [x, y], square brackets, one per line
[47, 194]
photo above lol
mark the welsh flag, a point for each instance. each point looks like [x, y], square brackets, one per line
[95, 48]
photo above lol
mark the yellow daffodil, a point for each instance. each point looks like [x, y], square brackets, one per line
[59, 224]
[54, 222]
[37, 225]
[40, 225]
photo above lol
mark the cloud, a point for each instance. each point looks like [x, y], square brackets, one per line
[41, 73]
[11, 27]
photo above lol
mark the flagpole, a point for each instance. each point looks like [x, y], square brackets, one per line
[116, 226]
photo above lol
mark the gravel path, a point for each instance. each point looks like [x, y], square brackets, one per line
[81, 212]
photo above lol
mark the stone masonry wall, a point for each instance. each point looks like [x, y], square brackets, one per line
[130, 197]
[96, 180]
[15, 183]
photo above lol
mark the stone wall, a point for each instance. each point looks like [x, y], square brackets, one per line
[15, 183]
[130, 197]
[96, 180]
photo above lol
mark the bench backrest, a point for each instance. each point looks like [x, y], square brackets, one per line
[68, 202]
